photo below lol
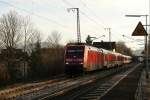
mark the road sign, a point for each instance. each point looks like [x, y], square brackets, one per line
[139, 30]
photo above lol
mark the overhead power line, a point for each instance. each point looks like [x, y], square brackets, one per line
[92, 12]
[68, 3]
[42, 17]
[91, 19]
[135, 40]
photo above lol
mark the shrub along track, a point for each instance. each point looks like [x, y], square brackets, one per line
[13, 92]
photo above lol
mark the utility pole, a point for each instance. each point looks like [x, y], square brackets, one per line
[24, 52]
[146, 43]
[149, 37]
[24, 59]
[109, 29]
[78, 23]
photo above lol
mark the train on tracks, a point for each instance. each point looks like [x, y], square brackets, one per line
[80, 57]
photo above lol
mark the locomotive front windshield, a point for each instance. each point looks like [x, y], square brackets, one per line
[75, 51]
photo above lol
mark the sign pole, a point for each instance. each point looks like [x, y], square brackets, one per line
[140, 31]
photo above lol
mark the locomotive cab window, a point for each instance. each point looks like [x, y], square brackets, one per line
[75, 51]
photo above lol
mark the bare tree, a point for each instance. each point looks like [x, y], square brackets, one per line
[10, 30]
[27, 30]
[71, 41]
[34, 37]
[15, 29]
[122, 48]
[35, 58]
[53, 39]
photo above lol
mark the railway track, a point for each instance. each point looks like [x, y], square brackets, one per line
[126, 89]
[104, 88]
[97, 90]
[79, 82]
[53, 88]
[12, 93]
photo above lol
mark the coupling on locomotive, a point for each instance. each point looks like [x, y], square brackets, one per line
[80, 57]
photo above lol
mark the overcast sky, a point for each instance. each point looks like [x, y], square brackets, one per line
[95, 15]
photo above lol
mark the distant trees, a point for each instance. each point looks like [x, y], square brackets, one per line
[122, 48]
[72, 41]
[54, 39]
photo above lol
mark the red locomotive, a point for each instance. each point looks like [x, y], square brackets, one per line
[84, 58]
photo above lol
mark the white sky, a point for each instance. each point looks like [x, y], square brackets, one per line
[95, 15]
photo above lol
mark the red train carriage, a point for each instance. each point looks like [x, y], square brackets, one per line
[110, 58]
[127, 59]
[93, 59]
[119, 59]
[83, 58]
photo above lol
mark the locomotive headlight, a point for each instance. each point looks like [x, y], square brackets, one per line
[67, 63]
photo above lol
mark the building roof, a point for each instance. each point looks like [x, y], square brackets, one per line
[105, 45]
